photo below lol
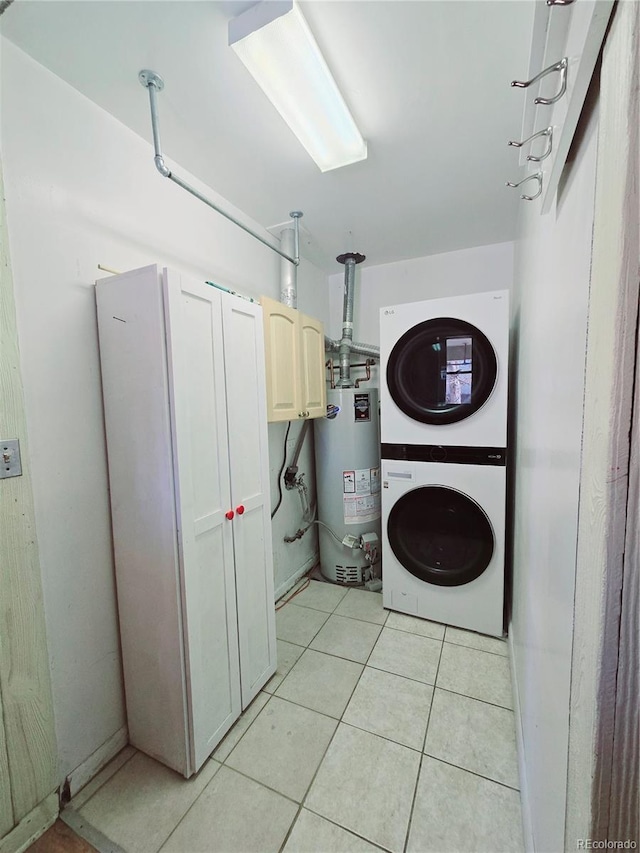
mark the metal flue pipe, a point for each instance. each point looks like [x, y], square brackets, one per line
[371, 350]
[350, 259]
[290, 244]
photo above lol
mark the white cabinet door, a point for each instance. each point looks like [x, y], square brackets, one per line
[198, 404]
[141, 479]
[248, 453]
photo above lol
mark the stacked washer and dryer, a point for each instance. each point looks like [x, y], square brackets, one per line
[444, 383]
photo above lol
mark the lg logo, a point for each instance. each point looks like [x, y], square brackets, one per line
[388, 311]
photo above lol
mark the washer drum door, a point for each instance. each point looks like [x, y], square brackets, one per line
[441, 371]
[440, 535]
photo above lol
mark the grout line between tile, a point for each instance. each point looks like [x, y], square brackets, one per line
[350, 831]
[473, 773]
[475, 698]
[212, 758]
[340, 721]
[424, 741]
[474, 649]
[232, 769]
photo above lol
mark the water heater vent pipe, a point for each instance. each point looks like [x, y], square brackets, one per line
[290, 245]
[350, 259]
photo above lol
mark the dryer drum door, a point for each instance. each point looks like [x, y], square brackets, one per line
[441, 371]
[440, 535]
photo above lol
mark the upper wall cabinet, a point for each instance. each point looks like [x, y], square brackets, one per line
[567, 37]
[294, 347]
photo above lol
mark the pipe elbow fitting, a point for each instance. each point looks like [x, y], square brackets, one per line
[161, 166]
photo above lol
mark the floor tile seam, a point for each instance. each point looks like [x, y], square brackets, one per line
[102, 784]
[383, 737]
[340, 657]
[318, 652]
[191, 805]
[411, 634]
[291, 643]
[400, 675]
[316, 609]
[314, 710]
[346, 829]
[435, 681]
[240, 773]
[213, 758]
[475, 698]
[306, 794]
[304, 800]
[357, 619]
[256, 782]
[300, 645]
[290, 830]
[475, 649]
[472, 772]
[317, 770]
[413, 803]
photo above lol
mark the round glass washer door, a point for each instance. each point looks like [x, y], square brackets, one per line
[440, 535]
[441, 371]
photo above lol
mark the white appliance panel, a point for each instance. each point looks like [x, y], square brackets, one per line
[477, 605]
[486, 427]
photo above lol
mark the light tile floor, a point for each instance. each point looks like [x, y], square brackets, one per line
[378, 731]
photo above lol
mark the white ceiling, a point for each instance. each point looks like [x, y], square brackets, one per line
[426, 80]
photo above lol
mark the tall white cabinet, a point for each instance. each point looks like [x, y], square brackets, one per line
[185, 412]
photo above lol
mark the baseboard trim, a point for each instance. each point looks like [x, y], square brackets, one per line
[527, 826]
[85, 772]
[32, 826]
[290, 582]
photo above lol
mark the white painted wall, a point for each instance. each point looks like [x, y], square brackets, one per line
[448, 274]
[551, 298]
[81, 189]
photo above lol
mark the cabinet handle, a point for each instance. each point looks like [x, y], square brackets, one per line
[240, 509]
[229, 515]
[559, 66]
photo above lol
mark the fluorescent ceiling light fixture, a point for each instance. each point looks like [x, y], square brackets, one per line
[278, 48]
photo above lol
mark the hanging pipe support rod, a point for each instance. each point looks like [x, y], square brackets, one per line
[154, 83]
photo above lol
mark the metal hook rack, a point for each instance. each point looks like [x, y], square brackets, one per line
[561, 67]
[538, 177]
[548, 132]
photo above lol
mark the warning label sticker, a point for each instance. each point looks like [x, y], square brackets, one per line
[358, 510]
[348, 481]
[361, 495]
[363, 481]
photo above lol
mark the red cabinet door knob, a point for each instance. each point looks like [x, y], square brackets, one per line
[240, 509]
[229, 514]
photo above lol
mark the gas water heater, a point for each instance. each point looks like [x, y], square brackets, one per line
[347, 447]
